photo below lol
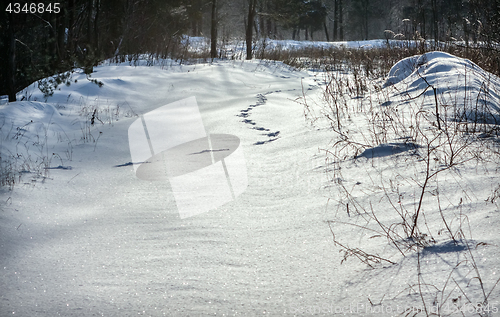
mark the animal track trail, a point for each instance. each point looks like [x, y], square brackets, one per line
[261, 100]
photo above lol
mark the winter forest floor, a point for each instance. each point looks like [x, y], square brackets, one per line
[362, 199]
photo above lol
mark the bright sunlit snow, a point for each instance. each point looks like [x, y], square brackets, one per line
[81, 235]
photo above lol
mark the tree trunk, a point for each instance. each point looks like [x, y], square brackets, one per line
[52, 50]
[335, 20]
[261, 30]
[96, 45]
[213, 31]
[11, 64]
[435, 22]
[422, 22]
[250, 25]
[326, 32]
[90, 8]
[71, 33]
[269, 22]
[466, 34]
[365, 19]
[61, 47]
[341, 23]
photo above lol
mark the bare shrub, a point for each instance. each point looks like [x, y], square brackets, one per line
[415, 150]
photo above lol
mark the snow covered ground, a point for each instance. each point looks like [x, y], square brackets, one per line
[81, 235]
[236, 49]
[202, 42]
[406, 168]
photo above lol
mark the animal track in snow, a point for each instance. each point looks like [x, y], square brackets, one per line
[261, 100]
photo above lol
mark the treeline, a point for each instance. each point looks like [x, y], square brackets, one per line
[38, 41]
[82, 32]
[442, 20]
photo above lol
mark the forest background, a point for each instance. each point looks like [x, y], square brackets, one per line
[80, 33]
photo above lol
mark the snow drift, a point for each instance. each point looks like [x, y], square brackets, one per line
[466, 91]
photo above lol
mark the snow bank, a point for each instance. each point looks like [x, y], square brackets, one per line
[460, 85]
[31, 119]
[432, 62]
[29, 110]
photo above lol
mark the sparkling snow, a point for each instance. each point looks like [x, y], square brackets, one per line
[81, 235]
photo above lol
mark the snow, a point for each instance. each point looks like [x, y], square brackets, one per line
[392, 159]
[4, 99]
[428, 63]
[451, 77]
[81, 235]
[388, 149]
[292, 44]
[236, 49]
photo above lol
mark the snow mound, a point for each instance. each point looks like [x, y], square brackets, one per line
[462, 87]
[21, 121]
[29, 111]
[432, 62]
[401, 70]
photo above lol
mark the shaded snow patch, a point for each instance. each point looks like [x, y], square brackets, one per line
[388, 149]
